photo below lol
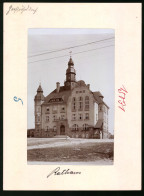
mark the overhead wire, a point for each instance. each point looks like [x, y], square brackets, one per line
[68, 55]
[69, 47]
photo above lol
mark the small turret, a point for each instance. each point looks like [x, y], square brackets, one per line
[39, 95]
[38, 100]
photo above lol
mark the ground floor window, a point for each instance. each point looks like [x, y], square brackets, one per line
[54, 128]
[47, 128]
[85, 127]
[75, 127]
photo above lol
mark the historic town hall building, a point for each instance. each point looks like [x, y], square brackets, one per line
[72, 110]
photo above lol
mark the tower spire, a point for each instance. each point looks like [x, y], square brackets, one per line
[70, 53]
[70, 74]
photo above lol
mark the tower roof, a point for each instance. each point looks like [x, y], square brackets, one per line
[40, 89]
[39, 95]
[70, 61]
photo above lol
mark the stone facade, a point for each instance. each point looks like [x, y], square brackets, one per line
[72, 110]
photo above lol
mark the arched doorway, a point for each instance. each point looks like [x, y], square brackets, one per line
[62, 130]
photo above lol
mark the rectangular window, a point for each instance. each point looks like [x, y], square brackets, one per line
[47, 109]
[54, 118]
[74, 106]
[63, 109]
[47, 118]
[87, 107]
[62, 117]
[73, 103]
[54, 108]
[73, 117]
[87, 116]
[80, 116]
[80, 105]
[38, 118]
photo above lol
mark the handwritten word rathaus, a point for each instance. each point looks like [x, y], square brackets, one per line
[65, 171]
[122, 92]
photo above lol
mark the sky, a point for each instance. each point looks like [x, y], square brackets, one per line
[93, 56]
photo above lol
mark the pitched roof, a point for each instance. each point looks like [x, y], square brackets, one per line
[62, 94]
[97, 96]
[99, 123]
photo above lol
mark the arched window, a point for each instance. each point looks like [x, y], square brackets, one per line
[73, 103]
[75, 127]
[80, 103]
[54, 128]
[47, 128]
[85, 126]
[86, 103]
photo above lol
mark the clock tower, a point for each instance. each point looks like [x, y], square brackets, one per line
[70, 75]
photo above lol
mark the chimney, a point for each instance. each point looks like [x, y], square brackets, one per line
[88, 85]
[57, 87]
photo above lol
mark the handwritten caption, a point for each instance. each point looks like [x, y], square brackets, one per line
[17, 99]
[122, 96]
[21, 9]
[63, 172]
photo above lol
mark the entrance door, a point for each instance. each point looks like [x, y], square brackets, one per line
[62, 130]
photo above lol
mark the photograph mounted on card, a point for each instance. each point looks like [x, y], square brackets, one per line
[70, 96]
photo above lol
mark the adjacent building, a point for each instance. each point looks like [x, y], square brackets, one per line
[72, 110]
